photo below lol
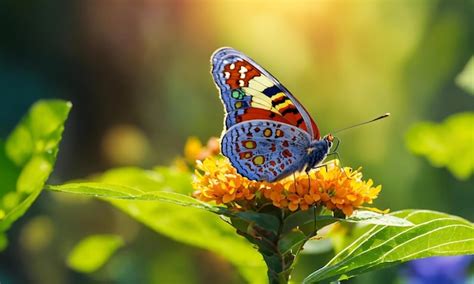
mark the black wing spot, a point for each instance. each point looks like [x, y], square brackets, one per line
[271, 91]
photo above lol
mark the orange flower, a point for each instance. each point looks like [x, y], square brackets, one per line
[216, 180]
[336, 188]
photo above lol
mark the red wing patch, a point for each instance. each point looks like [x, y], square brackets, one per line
[239, 73]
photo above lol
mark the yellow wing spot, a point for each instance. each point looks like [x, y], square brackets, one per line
[259, 100]
[258, 160]
[284, 105]
[267, 132]
[238, 104]
[249, 144]
[279, 133]
[278, 96]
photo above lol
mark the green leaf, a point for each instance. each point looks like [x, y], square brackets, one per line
[28, 157]
[448, 144]
[16, 212]
[305, 218]
[98, 189]
[9, 173]
[92, 252]
[263, 220]
[175, 215]
[292, 241]
[369, 217]
[34, 174]
[39, 132]
[433, 234]
[465, 79]
[115, 191]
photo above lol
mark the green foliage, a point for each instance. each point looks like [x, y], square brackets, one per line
[466, 78]
[27, 159]
[92, 252]
[278, 240]
[434, 234]
[31, 150]
[448, 144]
[132, 190]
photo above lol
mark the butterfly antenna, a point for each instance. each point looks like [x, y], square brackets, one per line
[362, 123]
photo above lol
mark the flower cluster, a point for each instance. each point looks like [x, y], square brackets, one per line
[216, 180]
[338, 189]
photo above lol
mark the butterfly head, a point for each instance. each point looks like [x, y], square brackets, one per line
[329, 139]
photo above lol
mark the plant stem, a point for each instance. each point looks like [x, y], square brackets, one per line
[278, 273]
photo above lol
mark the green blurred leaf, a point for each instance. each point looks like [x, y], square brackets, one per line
[434, 234]
[465, 79]
[12, 215]
[9, 173]
[448, 144]
[92, 252]
[139, 188]
[39, 132]
[28, 157]
[3, 241]
[34, 174]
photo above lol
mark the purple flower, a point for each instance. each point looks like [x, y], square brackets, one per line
[439, 270]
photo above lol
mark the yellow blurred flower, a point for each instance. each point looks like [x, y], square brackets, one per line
[195, 151]
[336, 188]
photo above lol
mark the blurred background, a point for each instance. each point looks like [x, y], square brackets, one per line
[137, 73]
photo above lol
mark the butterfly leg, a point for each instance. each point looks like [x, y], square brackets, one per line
[337, 156]
[340, 162]
[295, 183]
[325, 165]
[309, 181]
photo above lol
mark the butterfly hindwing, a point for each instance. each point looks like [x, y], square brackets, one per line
[265, 149]
[249, 92]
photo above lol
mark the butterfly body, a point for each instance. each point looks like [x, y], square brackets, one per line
[268, 134]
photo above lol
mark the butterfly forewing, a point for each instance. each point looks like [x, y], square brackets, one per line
[249, 92]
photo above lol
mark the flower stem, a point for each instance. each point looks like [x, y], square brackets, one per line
[279, 272]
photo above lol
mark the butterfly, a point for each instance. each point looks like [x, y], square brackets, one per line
[268, 134]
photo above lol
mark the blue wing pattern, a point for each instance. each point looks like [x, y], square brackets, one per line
[265, 149]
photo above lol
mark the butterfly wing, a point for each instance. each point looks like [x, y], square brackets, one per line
[265, 150]
[249, 92]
